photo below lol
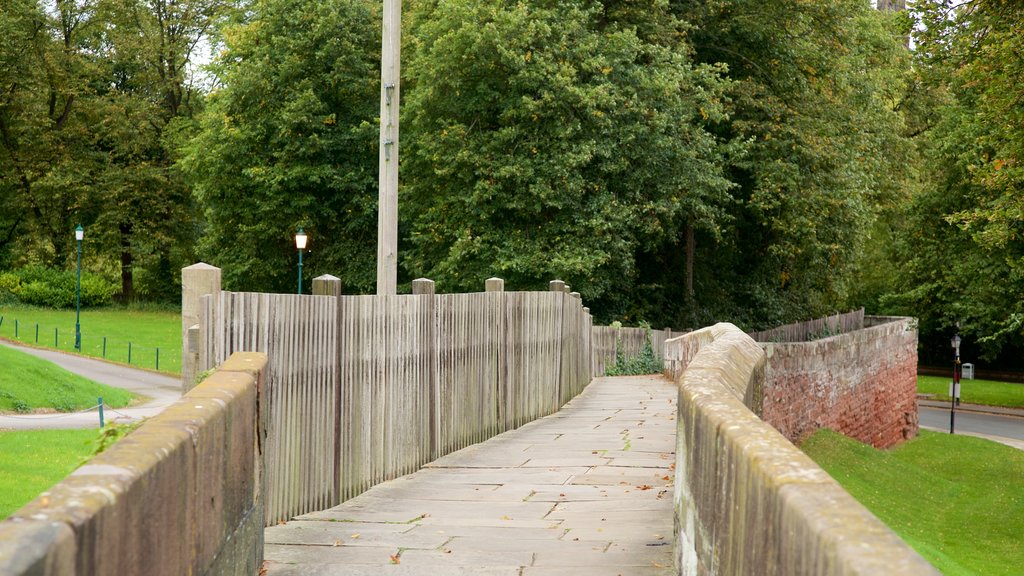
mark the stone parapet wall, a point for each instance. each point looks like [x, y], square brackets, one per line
[182, 494]
[862, 384]
[746, 500]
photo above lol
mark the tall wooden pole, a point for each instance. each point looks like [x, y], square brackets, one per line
[387, 207]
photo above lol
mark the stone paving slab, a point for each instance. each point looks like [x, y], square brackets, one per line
[352, 534]
[585, 491]
[389, 570]
[567, 492]
[592, 571]
[552, 532]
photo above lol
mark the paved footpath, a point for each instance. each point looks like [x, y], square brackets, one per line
[160, 389]
[585, 491]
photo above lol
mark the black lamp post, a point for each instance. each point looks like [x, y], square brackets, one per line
[79, 235]
[300, 243]
[955, 387]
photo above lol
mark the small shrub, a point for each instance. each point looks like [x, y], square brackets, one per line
[96, 291]
[111, 433]
[644, 363]
[21, 406]
[9, 284]
[204, 375]
[52, 288]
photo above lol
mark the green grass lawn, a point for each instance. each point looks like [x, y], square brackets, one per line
[27, 382]
[146, 331]
[33, 461]
[958, 500]
[974, 391]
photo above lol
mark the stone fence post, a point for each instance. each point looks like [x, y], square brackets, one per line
[327, 285]
[197, 280]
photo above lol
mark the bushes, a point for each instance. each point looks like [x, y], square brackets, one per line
[53, 288]
[644, 363]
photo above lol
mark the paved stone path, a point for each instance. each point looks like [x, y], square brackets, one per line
[585, 491]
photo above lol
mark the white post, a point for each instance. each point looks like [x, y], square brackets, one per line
[387, 206]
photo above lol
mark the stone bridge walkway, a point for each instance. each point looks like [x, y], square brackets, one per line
[585, 491]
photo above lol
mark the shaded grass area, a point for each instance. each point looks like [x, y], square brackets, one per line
[151, 332]
[32, 461]
[985, 392]
[957, 500]
[28, 383]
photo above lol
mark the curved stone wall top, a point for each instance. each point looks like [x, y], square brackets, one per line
[749, 502]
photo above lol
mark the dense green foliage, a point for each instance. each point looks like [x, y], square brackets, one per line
[958, 242]
[555, 140]
[54, 288]
[643, 363]
[956, 499]
[89, 94]
[815, 93]
[986, 392]
[290, 140]
[28, 383]
[680, 161]
[106, 332]
[33, 461]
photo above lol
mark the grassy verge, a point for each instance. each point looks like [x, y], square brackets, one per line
[28, 383]
[106, 333]
[958, 500]
[33, 461]
[984, 392]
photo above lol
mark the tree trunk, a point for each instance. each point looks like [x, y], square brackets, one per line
[690, 249]
[127, 287]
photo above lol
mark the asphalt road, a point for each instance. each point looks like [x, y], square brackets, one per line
[974, 423]
[159, 389]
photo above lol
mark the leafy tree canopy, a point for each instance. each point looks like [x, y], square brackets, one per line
[555, 140]
[289, 140]
[960, 243]
[816, 92]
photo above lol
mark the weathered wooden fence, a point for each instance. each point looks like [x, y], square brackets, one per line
[813, 329]
[362, 389]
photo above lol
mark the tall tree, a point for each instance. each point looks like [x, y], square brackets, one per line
[962, 242]
[47, 109]
[151, 50]
[816, 94]
[90, 87]
[289, 140]
[554, 140]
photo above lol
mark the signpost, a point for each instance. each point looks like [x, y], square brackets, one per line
[954, 386]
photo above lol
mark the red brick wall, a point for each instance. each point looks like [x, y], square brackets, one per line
[862, 384]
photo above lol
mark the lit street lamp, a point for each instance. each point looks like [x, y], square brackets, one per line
[300, 243]
[954, 388]
[79, 235]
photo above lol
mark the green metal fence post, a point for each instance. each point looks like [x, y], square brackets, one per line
[101, 410]
[158, 358]
[37, 333]
[104, 346]
[129, 352]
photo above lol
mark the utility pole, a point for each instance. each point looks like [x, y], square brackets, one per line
[387, 204]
